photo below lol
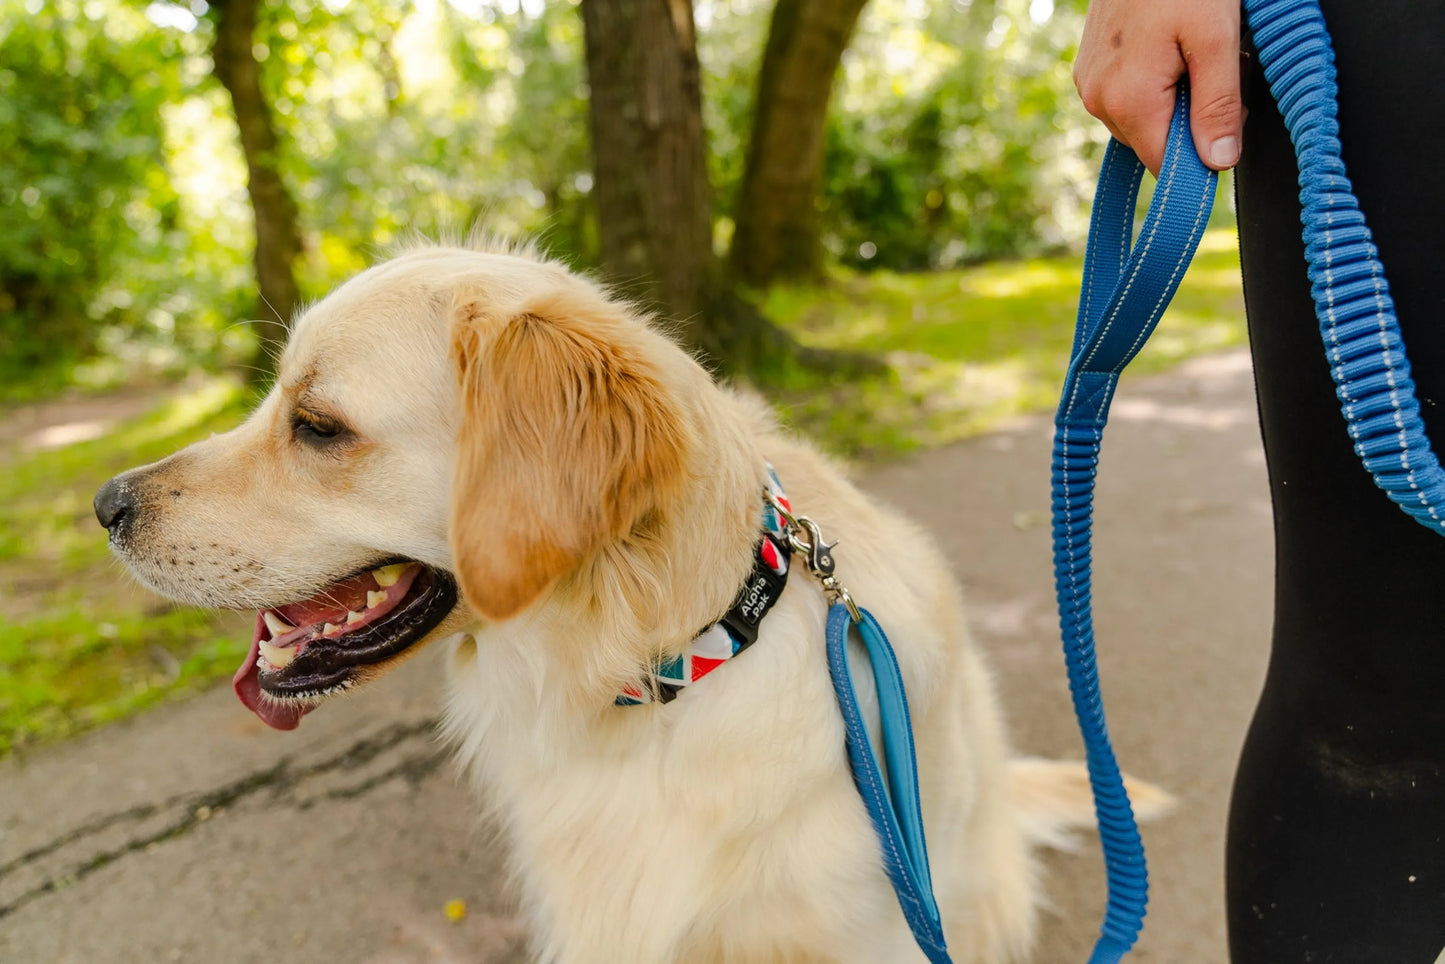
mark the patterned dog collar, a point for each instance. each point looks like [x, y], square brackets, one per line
[738, 628]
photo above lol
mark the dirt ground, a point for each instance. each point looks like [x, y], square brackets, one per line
[72, 418]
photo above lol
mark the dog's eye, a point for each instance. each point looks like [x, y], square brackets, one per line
[314, 429]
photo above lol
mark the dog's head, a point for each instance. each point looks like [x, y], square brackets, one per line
[480, 420]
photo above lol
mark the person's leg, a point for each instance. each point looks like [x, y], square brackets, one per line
[1337, 828]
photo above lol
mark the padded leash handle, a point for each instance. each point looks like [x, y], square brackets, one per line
[1126, 291]
[886, 776]
[893, 803]
[1123, 295]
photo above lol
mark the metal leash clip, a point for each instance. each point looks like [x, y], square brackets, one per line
[806, 538]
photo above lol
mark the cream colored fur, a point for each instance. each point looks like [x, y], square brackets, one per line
[723, 827]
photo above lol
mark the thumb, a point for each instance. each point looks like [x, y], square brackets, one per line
[1216, 111]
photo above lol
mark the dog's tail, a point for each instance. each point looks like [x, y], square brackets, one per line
[1052, 797]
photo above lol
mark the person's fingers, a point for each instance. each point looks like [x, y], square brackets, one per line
[1216, 111]
[1126, 71]
[1139, 112]
[1131, 56]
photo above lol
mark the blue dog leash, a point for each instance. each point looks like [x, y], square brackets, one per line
[898, 816]
[892, 800]
[1111, 331]
[1352, 299]
[1124, 293]
[1123, 296]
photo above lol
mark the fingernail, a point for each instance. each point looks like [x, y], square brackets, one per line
[1224, 152]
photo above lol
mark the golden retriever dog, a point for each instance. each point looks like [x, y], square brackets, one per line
[477, 446]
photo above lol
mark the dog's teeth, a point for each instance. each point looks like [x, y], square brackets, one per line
[354, 618]
[329, 628]
[374, 599]
[278, 626]
[277, 656]
[388, 575]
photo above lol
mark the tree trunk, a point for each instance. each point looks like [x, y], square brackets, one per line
[777, 231]
[278, 241]
[654, 205]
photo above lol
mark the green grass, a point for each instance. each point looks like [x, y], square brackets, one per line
[72, 667]
[973, 347]
[81, 644]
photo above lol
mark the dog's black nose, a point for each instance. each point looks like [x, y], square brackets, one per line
[112, 503]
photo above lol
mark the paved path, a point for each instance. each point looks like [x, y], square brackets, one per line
[194, 834]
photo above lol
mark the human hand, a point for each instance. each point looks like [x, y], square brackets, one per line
[1133, 53]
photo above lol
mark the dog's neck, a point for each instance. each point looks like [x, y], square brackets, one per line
[640, 600]
[737, 628]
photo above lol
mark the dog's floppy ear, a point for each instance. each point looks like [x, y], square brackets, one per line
[567, 441]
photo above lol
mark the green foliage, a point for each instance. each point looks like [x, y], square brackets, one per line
[954, 134]
[399, 122]
[731, 35]
[80, 643]
[555, 156]
[78, 666]
[98, 251]
[125, 228]
[80, 134]
[981, 151]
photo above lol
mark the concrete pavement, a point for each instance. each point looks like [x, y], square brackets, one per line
[194, 834]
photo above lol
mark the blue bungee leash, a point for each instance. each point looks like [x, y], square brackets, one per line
[1123, 294]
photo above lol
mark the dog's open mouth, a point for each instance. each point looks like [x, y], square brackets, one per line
[315, 647]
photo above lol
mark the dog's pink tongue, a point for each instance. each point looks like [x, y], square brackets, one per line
[247, 684]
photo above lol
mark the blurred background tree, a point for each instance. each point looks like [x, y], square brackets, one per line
[776, 221]
[278, 236]
[654, 200]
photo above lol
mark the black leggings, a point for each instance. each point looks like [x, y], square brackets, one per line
[1337, 828]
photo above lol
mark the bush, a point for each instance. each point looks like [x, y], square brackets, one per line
[988, 154]
[82, 189]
